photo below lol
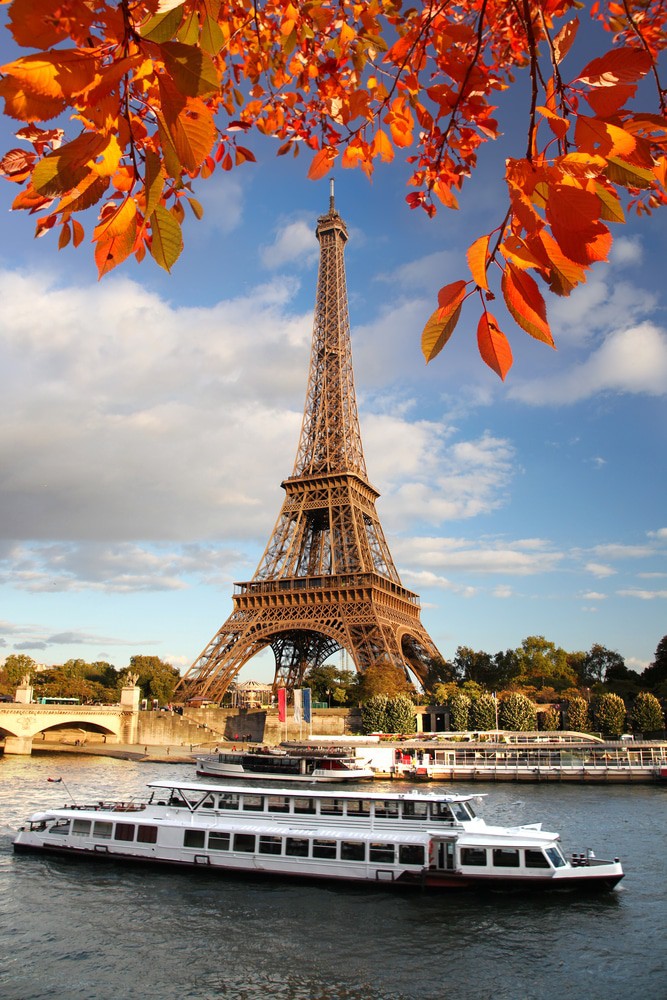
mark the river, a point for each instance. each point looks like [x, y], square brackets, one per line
[84, 931]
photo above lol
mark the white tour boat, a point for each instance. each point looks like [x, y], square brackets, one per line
[421, 839]
[277, 764]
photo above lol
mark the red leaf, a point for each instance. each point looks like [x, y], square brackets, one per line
[524, 301]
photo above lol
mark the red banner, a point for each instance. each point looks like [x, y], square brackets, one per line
[282, 704]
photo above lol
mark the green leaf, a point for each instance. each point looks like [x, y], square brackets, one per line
[162, 27]
[192, 70]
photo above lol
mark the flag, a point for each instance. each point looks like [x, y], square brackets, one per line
[307, 705]
[298, 705]
[54, 780]
[282, 705]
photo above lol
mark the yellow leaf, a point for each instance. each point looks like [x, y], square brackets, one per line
[115, 237]
[436, 333]
[58, 74]
[117, 222]
[63, 169]
[167, 239]
[153, 182]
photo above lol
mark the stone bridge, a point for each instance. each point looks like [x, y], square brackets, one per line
[19, 724]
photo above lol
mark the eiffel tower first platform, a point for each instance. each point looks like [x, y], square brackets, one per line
[326, 580]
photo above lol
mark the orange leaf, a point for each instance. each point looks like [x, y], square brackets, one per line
[436, 333]
[524, 301]
[115, 237]
[382, 147]
[493, 345]
[562, 273]
[322, 163]
[477, 255]
[450, 297]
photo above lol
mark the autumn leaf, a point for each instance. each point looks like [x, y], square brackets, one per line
[442, 322]
[63, 169]
[167, 239]
[478, 254]
[114, 236]
[192, 70]
[493, 345]
[526, 304]
[322, 163]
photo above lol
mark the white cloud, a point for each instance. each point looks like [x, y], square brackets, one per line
[644, 595]
[504, 559]
[594, 595]
[631, 360]
[293, 242]
[599, 569]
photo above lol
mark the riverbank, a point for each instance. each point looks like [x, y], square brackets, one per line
[127, 751]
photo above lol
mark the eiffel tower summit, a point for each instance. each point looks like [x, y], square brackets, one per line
[326, 580]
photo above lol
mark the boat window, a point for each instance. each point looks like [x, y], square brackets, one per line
[244, 842]
[441, 811]
[352, 850]
[194, 838]
[61, 826]
[358, 807]
[81, 827]
[555, 857]
[102, 830]
[277, 803]
[460, 812]
[411, 854]
[505, 857]
[147, 834]
[296, 847]
[324, 848]
[535, 859]
[124, 831]
[473, 856]
[415, 810]
[229, 800]
[387, 808]
[383, 853]
[270, 845]
[218, 841]
[253, 803]
[302, 805]
[331, 807]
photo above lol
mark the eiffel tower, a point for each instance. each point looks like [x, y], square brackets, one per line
[326, 580]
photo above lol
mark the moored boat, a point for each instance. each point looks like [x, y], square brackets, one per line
[278, 764]
[420, 839]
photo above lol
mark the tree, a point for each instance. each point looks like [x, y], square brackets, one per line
[609, 714]
[473, 666]
[506, 669]
[17, 665]
[157, 679]
[159, 94]
[601, 664]
[440, 671]
[383, 678]
[517, 713]
[400, 716]
[549, 720]
[576, 715]
[459, 711]
[374, 714]
[543, 664]
[328, 682]
[646, 715]
[655, 675]
[483, 712]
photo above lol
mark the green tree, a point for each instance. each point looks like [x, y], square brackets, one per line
[483, 712]
[609, 714]
[506, 669]
[576, 715]
[400, 716]
[517, 713]
[17, 665]
[374, 714]
[157, 679]
[440, 671]
[329, 682]
[544, 664]
[655, 675]
[646, 714]
[459, 711]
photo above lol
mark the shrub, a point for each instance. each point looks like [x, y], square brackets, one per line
[609, 715]
[517, 712]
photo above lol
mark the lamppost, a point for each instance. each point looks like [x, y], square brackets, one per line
[495, 702]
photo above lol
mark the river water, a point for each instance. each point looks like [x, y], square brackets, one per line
[85, 931]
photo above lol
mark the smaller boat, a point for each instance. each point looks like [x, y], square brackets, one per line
[277, 764]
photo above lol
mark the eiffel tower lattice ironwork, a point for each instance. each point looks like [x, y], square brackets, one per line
[326, 580]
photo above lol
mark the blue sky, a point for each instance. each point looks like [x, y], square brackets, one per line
[147, 420]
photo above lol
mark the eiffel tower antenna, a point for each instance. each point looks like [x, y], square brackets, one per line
[326, 580]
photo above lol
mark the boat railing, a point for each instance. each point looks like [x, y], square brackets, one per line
[101, 806]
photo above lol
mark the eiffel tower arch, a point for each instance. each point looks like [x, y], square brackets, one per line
[326, 580]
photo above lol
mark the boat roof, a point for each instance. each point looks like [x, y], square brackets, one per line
[412, 795]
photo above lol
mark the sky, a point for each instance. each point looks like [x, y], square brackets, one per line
[148, 419]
